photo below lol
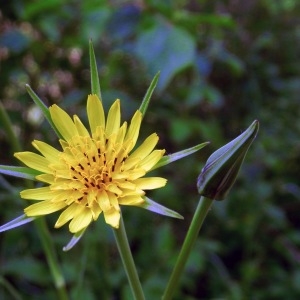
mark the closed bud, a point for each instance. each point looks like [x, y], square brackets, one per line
[222, 167]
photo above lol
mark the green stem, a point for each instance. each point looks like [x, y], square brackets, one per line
[125, 252]
[190, 239]
[51, 257]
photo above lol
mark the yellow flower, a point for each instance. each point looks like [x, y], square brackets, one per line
[95, 171]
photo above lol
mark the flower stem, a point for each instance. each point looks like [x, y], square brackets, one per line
[126, 255]
[197, 221]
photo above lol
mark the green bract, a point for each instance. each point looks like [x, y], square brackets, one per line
[222, 167]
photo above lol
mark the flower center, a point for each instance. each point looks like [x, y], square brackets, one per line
[93, 167]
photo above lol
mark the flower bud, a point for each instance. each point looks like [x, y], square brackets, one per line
[222, 167]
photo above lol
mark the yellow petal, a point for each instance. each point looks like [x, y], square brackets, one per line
[113, 200]
[81, 221]
[131, 200]
[95, 113]
[63, 122]
[48, 178]
[135, 174]
[151, 160]
[34, 161]
[68, 214]
[43, 193]
[124, 151]
[65, 195]
[150, 183]
[145, 148]
[135, 192]
[103, 200]
[127, 185]
[43, 208]
[114, 189]
[134, 128]
[113, 119]
[48, 151]
[91, 197]
[82, 131]
[130, 163]
[96, 210]
[121, 133]
[112, 217]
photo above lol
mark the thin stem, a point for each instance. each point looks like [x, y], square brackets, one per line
[190, 239]
[126, 255]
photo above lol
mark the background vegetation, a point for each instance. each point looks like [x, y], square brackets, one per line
[223, 64]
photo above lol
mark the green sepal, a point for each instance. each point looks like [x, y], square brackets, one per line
[19, 221]
[22, 172]
[222, 167]
[159, 209]
[167, 159]
[74, 240]
[147, 97]
[95, 84]
[43, 108]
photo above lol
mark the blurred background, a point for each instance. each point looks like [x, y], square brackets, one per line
[223, 64]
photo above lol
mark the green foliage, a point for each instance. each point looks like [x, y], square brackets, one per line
[223, 64]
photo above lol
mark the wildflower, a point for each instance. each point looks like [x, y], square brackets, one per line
[95, 172]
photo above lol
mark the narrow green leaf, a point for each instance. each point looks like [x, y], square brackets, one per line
[22, 172]
[43, 108]
[167, 159]
[159, 209]
[95, 84]
[19, 221]
[74, 240]
[148, 94]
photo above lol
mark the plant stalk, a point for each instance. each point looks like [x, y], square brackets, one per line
[190, 239]
[127, 259]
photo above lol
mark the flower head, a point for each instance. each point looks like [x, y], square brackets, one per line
[96, 171]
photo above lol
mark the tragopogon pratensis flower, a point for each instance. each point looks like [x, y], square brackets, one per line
[95, 171]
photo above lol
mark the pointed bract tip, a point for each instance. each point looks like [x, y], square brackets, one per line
[222, 167]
